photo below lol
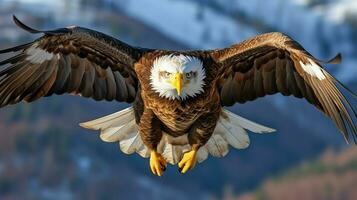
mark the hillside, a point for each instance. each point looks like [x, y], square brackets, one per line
[332, 176]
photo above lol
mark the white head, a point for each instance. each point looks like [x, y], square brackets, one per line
[177, 76]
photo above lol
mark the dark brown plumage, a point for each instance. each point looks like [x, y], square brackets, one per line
[268, 64]
[84, 62]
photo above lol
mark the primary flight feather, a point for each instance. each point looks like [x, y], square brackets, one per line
[177, 97]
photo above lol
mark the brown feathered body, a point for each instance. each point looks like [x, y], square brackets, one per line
[196, 116]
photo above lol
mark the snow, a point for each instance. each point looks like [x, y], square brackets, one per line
[189, 23]
[71, 9]
[337, 11]
[301, 2]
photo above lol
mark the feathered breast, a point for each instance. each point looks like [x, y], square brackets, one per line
[177, 116]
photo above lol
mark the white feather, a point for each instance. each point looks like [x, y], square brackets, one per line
[217, 146]
[236, 136]
[313, 69]
[202, 154]
[131, 143]
[170, 150]
[230, 130]
[114, 134]
[247, 124]
[37, 55]
[110, 134]
[116, 119]
[172, 153]
[143, 151]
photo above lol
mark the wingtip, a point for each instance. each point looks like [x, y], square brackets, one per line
[23, 26]
[336, 60]
[14, 17]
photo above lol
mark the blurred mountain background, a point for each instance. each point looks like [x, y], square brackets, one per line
[44, 154]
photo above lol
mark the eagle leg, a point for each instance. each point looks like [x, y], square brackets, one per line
[151, 134]
[189, 160]
[157, 163]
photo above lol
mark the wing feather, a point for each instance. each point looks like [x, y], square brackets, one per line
[258, 83]
[76, 75]
[71, 60]
[99, 88]
[86, 87]
[111, 85]
[274, 63]
[39, 86]
[121, 92]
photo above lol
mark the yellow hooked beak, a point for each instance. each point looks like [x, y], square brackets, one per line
[177, 82]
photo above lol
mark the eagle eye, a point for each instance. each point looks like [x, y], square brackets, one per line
[165, 74]
[188, 75]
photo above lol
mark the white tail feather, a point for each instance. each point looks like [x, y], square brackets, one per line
[116, 119]
[143, 151]
[131, 143]
[217, 146]
[247, 124]
[236, 136]
[172, 153]
[111, 134]
[230, 130]
[202, 154]
[122, 133]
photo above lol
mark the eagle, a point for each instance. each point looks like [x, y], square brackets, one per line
[177, 98]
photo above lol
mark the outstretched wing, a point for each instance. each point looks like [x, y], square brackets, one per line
[71, 60]
[274, 63]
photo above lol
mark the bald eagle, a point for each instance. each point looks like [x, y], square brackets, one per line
[178, 97]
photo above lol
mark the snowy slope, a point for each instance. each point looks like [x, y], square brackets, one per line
[337, 11]
[200, 26]
[188, 22]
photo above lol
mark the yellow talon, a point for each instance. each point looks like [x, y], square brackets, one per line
[188, 161]
[157, 163]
